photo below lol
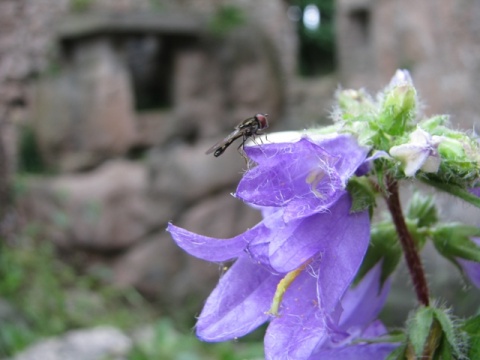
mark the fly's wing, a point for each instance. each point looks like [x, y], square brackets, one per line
[225, 142]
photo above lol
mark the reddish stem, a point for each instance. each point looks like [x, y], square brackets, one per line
[411, 254]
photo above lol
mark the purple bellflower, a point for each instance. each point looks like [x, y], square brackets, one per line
[295, 268]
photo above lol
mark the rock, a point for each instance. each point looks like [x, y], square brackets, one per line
[85, 115]
[311, 102]
[104, 210]
[88, 344]
[184, 174]
[10, 315]
[220, 216]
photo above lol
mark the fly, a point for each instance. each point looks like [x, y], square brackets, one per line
[246, 129]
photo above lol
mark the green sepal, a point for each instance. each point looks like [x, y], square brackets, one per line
[362, 193]
[472, 329]
[432, 332]
[418, 329]
[435, 124]
[452, 344]
[454, 240]
[400, 353]
[384, 246]
[451, 149]
[422, 210]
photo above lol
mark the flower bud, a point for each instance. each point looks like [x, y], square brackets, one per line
[399, 107]
[353, 103]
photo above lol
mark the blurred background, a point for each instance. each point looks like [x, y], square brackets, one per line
[106, 110]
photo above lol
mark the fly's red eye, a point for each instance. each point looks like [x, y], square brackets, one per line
[262, 119]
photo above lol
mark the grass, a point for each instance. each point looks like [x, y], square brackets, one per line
[169, 344]
[50, 298]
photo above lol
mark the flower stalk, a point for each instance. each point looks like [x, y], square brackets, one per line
[412, 257]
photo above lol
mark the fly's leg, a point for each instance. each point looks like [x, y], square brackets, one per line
[242, 151]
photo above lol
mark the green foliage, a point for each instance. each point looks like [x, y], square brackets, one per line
[363, 196]
[52, 298]
[422, 210]
[454, 240]
[80, 6]
[169, 344]
[472, 328]
[384, 246]
[227, 18]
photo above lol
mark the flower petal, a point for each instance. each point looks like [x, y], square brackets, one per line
[471, 268]
[299, 240]
[363, 302]
[301, 326]
[213, 249]
[306, 176]
[284, 176]
[239, 303]
[377, 351]
[341, 261]
[350, 154]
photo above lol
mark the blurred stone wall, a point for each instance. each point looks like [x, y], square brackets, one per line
[24, 40]
[122, 173]
[437, 40]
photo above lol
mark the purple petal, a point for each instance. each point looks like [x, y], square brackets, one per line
[307, 206]
[296, 170]
[363, 302]
[374, 330]
[367, 164]
[339, 237]
[471, 268]
[300, 240]
[212, 249]
[239, 303]
[376, 351]
[346, 149]
[340, 262]
[301, 326]
[306, 176]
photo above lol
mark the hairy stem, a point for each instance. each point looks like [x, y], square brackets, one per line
[411, 254]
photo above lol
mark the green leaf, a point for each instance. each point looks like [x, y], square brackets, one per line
[384, 246]
[422, 209]
[472, 328]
